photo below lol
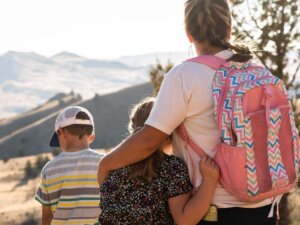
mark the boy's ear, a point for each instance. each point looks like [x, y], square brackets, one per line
[63, 133]
[91, 138]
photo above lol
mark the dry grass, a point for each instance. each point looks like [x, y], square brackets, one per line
[17, 204]
[294, 200]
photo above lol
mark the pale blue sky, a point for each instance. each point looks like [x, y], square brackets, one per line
[92, 28]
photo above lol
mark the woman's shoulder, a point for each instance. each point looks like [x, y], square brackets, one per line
[193, 69]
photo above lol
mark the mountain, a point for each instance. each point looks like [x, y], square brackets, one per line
[28, 79]
[14, 124]
[29, 133]
[151, 59]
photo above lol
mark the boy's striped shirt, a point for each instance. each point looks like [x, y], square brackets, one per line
[69, 185]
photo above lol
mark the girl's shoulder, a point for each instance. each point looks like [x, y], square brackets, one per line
[172, 159]
[175, 176]
[122, 171]
[173, 163]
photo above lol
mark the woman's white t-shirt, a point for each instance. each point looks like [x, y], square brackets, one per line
[186, 96]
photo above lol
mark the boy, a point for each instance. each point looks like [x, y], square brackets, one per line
[69, 191]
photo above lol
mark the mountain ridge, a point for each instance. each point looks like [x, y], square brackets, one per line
[29, 79]
[29, 133]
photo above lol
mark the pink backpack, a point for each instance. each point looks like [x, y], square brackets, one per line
[258, 154]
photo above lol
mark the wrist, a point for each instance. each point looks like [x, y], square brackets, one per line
[209, 181]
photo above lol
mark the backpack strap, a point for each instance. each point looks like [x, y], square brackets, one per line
[182, 133]
[212, 61]
[215, 63]
[276, 166]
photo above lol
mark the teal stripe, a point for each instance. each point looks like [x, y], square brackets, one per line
[43, 202]
[80, 199]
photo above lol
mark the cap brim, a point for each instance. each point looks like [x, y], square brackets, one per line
[54, 142]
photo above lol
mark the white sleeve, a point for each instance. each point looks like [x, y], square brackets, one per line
[170, 106]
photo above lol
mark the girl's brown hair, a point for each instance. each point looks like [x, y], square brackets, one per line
[210, 20]
[146, 169]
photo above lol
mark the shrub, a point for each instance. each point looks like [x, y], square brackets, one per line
[5, 159]
[41, 162]
[29, 170]
[31, 220]
[55, 152]
[32, 171]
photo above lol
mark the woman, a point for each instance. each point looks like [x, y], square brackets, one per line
[186, 97]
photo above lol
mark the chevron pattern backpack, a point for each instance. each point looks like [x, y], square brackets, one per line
[258, 154]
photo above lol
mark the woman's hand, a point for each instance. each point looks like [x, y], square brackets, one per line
[209, 169]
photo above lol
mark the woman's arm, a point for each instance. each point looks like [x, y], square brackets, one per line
[134, 149]
[187, 209]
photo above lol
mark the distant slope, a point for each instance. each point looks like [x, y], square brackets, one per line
[28, 79]
[152, 58]
[110, 113]
[12, 124]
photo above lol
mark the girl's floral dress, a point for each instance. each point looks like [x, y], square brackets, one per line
[126, 201]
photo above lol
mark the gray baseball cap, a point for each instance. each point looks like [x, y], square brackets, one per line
[68, 117]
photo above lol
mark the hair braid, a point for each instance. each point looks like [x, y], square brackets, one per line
[243, 53]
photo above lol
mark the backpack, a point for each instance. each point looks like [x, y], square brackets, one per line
[258, 153]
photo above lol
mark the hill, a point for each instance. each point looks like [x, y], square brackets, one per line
[29, 133]
[17, 204]
[8, 126]
[28, 79]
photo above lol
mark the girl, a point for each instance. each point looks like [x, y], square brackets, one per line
[157, 188]
[186, 97]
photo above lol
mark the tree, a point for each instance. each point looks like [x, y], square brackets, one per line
[274, 27]
[157, 73]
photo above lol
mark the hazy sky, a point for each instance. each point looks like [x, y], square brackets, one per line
[92, 28]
